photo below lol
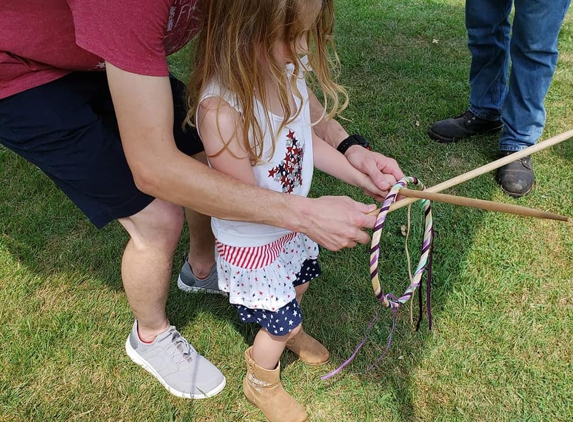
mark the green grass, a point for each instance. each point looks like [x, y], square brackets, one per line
[502, 295]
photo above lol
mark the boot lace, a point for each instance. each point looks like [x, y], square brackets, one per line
[467, 115]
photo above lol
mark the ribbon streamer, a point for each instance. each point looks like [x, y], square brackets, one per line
[389, 204]
[389, 300]
[375, 245]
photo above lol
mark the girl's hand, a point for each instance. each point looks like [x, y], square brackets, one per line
[364, 182]
[383, 172]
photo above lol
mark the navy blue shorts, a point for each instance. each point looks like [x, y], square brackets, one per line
[287, 318]
[68, 129]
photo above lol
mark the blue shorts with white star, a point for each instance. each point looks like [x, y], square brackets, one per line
[285, 319]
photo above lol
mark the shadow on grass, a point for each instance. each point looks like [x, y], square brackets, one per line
[49, 235]
[564, 150]
[398, 86]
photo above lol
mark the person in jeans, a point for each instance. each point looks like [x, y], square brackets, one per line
[529, 47]
[86, 95]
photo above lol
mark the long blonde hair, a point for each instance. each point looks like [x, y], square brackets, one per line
[235, 34]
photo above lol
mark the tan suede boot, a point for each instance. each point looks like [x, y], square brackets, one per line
[308, 349]
[263, 388]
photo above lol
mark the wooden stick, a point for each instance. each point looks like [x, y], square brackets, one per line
[482, 204]
[488, 167]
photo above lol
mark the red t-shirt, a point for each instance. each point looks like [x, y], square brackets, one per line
[41, 41]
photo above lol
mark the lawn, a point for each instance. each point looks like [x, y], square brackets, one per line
[502, 297]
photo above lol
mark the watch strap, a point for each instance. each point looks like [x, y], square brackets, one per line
[353, 140]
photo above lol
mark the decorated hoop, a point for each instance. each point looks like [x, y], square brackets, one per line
[390, 300]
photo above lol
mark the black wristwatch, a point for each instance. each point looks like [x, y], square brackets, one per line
[352, 140]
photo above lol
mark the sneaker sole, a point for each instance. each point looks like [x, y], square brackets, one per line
[135, 357]
[190, 289]
[442, 139]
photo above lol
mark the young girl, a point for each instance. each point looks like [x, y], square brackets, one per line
[250, 103]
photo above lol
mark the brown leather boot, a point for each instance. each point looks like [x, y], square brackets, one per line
[263, 388]
[308, 349]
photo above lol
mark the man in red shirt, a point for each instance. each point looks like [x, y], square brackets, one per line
[86, 95]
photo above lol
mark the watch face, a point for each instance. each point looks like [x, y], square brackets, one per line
[361, 141]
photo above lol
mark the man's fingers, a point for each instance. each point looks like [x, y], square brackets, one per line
[365, 209]
[363, 237]
[383, 171]
[339, 222]
[380, 180]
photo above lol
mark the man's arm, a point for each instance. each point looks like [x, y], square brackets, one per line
[144, 109]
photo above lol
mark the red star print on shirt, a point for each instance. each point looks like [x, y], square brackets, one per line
[289, 172]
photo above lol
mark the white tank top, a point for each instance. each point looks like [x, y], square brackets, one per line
[288, 170]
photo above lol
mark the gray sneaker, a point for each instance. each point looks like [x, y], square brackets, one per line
[176, 364]
[188, 282]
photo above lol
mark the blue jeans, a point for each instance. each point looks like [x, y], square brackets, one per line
[533, 52]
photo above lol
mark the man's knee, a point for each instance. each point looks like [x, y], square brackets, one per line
[158, 225]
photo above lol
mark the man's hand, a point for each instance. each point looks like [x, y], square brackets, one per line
[384, 172]
[335, 222]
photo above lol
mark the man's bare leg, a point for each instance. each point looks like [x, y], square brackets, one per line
[147, 261]
[201, 240]
[146, 270]
[201, 243]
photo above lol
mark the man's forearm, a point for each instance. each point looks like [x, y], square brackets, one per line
[189, 183]
[333, 222]
[144, 110]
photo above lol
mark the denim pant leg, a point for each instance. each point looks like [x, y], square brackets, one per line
[487, 23]
[536, 28]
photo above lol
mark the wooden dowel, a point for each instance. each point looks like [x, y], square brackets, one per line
[482, 204]
[488, 167]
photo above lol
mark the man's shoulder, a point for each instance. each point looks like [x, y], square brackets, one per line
[135, 35]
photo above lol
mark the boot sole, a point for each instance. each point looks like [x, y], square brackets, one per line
[444, 140]
[307, 362]
[516, 195]
[314, 363]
